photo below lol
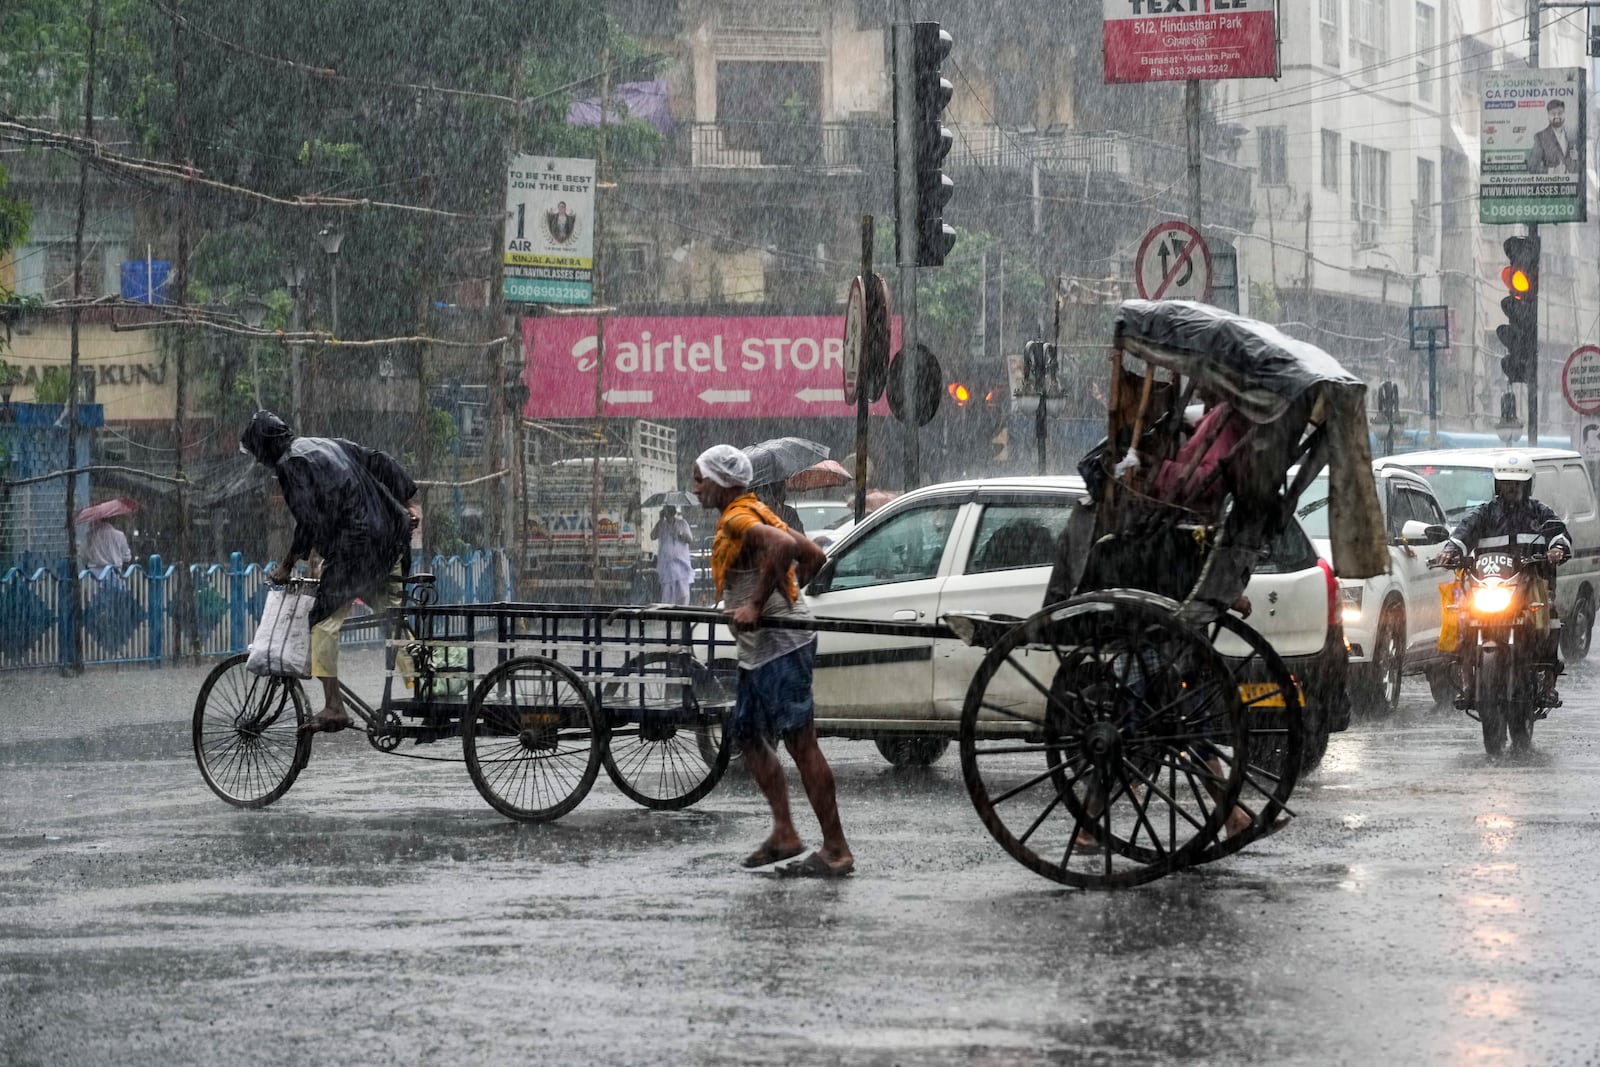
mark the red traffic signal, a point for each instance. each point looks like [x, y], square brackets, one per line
[959, 393]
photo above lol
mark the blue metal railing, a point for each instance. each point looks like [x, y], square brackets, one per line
[132, 615]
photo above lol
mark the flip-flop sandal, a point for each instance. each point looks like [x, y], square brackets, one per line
[322, 724]
[766, 854]
[814, 866]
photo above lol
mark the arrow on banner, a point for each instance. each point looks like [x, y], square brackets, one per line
[726, 396]
[628, 396]
[813, 396]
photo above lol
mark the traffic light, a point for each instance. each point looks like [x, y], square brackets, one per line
[931, 140]
[959, 394]
[1520, 334]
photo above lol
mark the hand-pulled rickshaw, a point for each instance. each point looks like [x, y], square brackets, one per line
[1170, 732]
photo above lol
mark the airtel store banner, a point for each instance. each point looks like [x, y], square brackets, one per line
[1176, 40]
[691, 368]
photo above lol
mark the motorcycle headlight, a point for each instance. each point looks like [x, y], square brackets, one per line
[1491, 599]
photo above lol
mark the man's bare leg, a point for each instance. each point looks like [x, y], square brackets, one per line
[817, 777]
[784, 841]
[332, 717]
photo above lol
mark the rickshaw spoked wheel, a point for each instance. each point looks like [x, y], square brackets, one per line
[1130, 710]
[246, 734]
[533, 739]
[666, 747]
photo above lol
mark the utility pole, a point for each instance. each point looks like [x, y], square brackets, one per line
[188, 627]
[597, 299]
[1533, 232]
[1191, 122]
[905, 155]
[75, 602]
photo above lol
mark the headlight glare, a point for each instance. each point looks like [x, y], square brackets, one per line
[1491, 599]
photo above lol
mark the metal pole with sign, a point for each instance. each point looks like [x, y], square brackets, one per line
[1430, 324]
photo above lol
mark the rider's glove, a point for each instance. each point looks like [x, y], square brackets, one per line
[1556, 554]
[1450, 557]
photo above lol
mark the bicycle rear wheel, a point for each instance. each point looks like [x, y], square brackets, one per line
[533, 739]
[247, 738]
[666, 749]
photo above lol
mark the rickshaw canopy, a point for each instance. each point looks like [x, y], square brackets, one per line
[1270, 378]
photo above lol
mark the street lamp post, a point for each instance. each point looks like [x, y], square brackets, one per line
[294, 279]
[330, 237]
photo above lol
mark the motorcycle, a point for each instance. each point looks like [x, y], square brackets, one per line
[1505, 629]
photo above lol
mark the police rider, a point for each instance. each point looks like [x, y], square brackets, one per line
[1494, 524]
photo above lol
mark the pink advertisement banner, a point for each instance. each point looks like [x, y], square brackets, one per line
[691, 368]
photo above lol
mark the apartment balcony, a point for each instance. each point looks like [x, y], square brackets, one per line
[752, 150]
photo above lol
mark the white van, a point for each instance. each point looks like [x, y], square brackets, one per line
[1463, 478]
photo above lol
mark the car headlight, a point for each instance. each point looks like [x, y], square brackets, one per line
[1350, 595]
[1491, 599]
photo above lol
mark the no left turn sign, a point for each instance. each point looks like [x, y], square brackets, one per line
[1173, 263]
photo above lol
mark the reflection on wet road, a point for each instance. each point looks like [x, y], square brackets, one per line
[1426, 907]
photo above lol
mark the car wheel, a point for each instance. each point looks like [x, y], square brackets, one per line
[1377, 689]
[1576, 631]
[912, 750]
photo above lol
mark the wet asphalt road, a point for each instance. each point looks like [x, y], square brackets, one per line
[1426, 907]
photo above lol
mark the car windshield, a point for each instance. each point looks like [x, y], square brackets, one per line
[1459, 489]
[821, 515]
[1313, 509]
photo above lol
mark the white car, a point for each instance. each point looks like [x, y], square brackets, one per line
[988, 546]
[1391, 621]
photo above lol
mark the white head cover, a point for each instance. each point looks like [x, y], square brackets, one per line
[1513, 468]
[726, 465]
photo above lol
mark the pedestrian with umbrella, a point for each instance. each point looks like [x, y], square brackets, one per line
[773, 463]
[673, 536]
[103, 544]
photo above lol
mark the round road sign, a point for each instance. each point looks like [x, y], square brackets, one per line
[1173, 263]
[855, 337]
[875, 353]
[1580, 380]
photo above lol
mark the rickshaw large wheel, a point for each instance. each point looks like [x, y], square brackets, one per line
[665, 749]
[533, 739]
[1275, 734]
[247, 737]
[1128, 708]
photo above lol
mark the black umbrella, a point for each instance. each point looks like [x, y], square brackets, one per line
[676, 497]
[777, 459]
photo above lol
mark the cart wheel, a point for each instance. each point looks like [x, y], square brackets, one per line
[533, 739]
[247, 737]
[1276, 736]
[665, 749]
[1130, 710]
[721, 687]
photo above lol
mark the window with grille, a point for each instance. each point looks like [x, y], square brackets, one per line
[1330, 160]
[1424, 206]
[1369, 192]
[1273, 142]
[1427, 41]
[1331, 44]
[1369, 33]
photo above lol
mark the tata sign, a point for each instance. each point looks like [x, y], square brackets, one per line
[687, 368]
[1179, 40]
[1534, 131]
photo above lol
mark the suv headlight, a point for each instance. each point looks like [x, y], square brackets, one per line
[1350, 595]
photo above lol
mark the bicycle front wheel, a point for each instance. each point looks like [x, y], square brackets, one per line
[247, 737]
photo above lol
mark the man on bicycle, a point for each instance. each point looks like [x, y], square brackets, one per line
[354, 507]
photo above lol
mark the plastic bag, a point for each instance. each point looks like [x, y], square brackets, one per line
[1450, 618]
[282, 645]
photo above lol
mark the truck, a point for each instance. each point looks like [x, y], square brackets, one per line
[576, 476]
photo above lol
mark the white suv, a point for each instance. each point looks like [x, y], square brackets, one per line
[1391, 621]
[988, 545]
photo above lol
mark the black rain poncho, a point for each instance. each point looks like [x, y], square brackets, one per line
[348, 503]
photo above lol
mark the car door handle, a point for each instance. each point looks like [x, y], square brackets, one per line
[907, 615]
